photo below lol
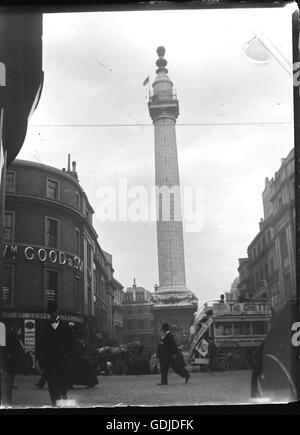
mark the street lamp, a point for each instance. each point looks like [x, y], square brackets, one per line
[261, 49]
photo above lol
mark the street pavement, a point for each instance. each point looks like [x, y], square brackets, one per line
[232, 387]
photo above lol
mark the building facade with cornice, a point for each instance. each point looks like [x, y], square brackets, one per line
[138, 318]
[51, 252]
[269, 271]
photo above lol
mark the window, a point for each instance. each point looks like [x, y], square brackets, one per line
[7, 287]
[172, 215]
[77, 242]
[101, 286]
[141, 324]
[266, 270]
[272, 265]
[260, 328]
[52, 189]
[89, 256]
[241, 328]
[293, 190]
[51, 286]
[224, 328]
[151, 324]
[140, 309]
[129, 297]
[8, 229]
[88, 215]
[160, 205]
[129, 310]
[257, 280]
[287, 283]
[280, 203]
[97, 286]
[77, 294]
[89, 295]
[283, 244]
[10, 181]
[77, 201]
[140, 296]
[52, 232]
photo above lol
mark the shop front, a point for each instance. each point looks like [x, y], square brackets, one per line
[29, 325]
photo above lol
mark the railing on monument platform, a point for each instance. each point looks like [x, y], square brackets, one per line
[174, 300]
[162, 97]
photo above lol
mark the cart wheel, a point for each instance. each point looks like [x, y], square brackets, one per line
[230, 357]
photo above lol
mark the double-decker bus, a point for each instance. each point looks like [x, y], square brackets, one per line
[237, 330]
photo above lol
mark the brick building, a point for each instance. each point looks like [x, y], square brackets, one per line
[52, 253]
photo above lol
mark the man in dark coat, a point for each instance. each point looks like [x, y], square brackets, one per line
[54, 349]
[257, 370]
[170, 356]
[212, 351]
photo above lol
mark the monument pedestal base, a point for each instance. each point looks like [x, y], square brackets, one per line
[177, 308]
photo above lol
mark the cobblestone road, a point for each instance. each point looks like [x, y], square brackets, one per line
[203, 388]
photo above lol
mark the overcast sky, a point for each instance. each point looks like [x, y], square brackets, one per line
[95, 64]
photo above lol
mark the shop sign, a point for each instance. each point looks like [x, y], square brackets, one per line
[42, 316]
[242, 308]
[29, 337]
[44, 255]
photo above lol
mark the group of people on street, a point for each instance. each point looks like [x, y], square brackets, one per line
[63, 363]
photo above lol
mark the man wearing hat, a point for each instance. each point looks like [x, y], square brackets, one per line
[170, 356]
[54, 349]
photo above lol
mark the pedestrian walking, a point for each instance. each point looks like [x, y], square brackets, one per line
[170, 356]
[54, 349]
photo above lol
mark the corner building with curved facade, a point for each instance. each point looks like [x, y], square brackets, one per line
[51, 253]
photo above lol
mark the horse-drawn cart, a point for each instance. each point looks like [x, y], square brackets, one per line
[122, 359]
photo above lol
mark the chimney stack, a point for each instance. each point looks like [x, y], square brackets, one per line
[69, 162]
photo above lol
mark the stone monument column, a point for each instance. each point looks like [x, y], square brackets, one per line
[173, 302]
